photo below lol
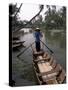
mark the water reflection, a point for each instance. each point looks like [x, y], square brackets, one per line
[57, 42]
[57, 38]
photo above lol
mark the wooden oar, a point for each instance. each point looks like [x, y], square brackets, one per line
[47, 47]
[25, 49]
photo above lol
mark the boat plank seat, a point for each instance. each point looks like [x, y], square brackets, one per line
[47, 73]
[40, 58]
[55, 70]
[61, 77]
[44, 67]
[46, 56]
[35, 53]
[50, 79]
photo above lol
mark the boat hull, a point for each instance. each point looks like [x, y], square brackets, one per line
[47, 70]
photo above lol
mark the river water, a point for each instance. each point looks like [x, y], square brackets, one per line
[22, 69]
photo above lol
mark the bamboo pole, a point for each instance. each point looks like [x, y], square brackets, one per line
[25, 49]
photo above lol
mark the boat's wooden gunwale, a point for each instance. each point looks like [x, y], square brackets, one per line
[56, 69]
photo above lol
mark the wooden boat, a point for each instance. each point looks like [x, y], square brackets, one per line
[16, 46]
[47, 70]
[15, 38]
[17, 42]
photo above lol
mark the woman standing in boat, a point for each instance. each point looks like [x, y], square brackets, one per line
[37, 36]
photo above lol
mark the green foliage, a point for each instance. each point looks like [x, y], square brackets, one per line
[12, 11]
[38, 21]
[55, 19]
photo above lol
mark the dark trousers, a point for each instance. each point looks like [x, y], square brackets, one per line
[37, 46]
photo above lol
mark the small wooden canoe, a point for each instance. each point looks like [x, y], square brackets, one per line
[17, 42]
[16, 45]
[15, 38]
[47, 70]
